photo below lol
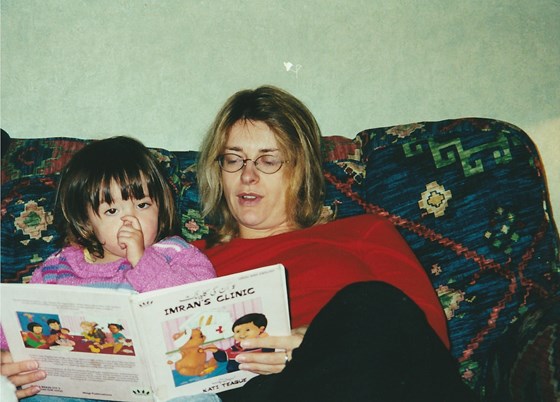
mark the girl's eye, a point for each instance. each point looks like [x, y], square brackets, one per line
[111, 211]
[144, 205]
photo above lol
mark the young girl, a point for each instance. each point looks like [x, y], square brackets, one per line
[119, 217]
[118, 222]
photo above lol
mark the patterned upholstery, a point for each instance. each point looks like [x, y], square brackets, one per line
[469, 196]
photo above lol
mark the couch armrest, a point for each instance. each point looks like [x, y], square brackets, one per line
[470, 197]
[525, 365]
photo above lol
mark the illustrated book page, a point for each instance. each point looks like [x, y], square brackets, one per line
[198, 332]
[104, 344]
[67, 329]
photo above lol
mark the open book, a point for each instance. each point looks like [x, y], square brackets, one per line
[110, 345]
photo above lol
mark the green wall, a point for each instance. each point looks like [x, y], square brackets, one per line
[159, 70]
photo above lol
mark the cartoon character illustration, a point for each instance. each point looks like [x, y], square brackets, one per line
[64, 342]
[193, 356]
[34, 337]
[214, 324]
[65, 339]
[118, 339]
[54, 326]
[251, 325]
[92, 333]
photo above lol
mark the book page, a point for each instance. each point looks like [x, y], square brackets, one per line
[84, 338]
[194, 330]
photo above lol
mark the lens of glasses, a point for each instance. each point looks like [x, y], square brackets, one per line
[265, 163]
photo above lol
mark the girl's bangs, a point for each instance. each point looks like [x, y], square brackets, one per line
[130, 183]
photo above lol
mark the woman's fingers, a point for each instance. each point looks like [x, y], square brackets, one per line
[269, 362]
[262, 363]
[29, 391]
[21, 373]
[288, 342]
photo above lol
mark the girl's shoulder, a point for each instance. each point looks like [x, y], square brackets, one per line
[62, 262]
[66, 253]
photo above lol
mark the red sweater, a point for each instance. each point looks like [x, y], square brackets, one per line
[323, 259]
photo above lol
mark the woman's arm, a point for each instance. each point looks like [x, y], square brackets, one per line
[21, 373]
[270, 363]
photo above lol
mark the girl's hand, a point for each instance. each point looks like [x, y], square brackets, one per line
[131, 238]
[21, 373]
[274, 362]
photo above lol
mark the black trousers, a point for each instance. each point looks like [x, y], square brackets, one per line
[369, 343]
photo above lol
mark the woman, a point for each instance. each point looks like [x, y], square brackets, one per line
[376, 329]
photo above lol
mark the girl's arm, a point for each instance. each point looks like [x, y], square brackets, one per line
[168, 263]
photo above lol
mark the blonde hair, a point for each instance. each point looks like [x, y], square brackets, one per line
[299, 139]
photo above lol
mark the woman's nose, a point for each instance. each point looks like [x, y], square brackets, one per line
[249, 172]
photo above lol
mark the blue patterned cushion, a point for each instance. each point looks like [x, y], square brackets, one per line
[30, 170]
[28, 232]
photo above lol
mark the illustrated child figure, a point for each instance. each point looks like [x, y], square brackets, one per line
[251, 325]
[118, 339]
[65, 339]
[54, 326]
[34, 337]
[92, 332]
[119, 221]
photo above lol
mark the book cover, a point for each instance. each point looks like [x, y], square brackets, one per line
[111, 345]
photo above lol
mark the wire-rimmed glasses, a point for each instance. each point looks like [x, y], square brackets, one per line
[267, 164]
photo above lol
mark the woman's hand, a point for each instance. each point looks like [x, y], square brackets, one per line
[273, 362]
[21, 373]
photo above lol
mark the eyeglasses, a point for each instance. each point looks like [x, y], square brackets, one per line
[232, 163]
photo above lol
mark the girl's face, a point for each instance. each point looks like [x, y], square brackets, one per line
[142, 213]
[256, 200]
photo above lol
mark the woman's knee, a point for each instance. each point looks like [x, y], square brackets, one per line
[372, 291]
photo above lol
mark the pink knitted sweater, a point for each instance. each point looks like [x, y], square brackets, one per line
[170, 262]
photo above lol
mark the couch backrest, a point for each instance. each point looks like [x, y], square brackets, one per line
[469, 196]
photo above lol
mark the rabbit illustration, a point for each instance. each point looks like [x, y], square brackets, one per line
[193, 356]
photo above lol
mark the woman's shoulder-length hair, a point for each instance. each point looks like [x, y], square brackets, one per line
[299, 139]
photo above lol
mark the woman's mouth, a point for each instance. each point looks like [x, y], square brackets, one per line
[249, 198]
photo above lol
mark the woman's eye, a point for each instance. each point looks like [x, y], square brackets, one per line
[232, 159]
[270, 160]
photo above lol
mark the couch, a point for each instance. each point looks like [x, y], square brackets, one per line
[469, 195]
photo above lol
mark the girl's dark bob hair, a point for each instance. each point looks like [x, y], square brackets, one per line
[86, 183]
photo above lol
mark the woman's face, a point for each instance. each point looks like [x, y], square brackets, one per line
[257, 200]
